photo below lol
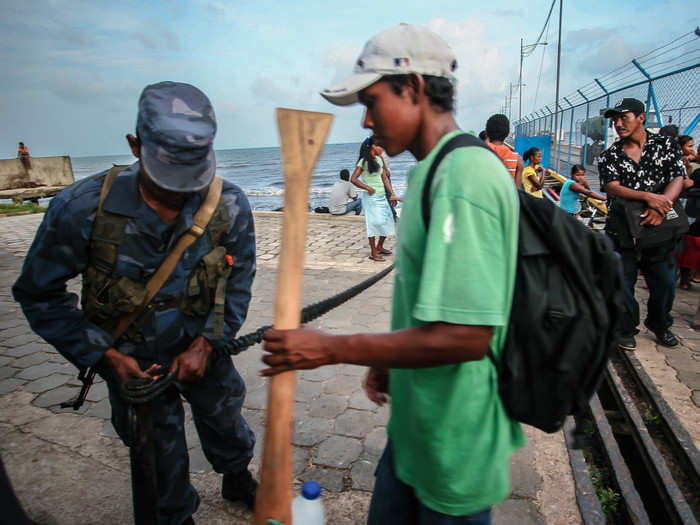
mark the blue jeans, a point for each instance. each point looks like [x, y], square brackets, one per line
[353, 206]
[395, 503]
[659, 271]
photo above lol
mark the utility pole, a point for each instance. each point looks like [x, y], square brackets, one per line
[556, 96]
[510, 99]
[524, 49]
[520, 83]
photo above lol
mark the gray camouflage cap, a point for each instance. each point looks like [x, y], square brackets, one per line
[176, 125]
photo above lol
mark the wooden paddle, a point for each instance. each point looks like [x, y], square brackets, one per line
[302, 136]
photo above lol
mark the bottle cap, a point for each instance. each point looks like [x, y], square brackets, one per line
[311, 490]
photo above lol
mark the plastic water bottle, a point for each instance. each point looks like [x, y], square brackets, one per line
[307, 508]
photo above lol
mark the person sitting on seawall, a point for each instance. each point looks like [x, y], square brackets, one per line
[533, 174]
[378, 217]
[23, 156]
[572, 190]
[343, 197]
[497, 129]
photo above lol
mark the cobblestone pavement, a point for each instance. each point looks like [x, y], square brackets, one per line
[70, 468]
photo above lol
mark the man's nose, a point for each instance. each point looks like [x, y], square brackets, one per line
[367, 122]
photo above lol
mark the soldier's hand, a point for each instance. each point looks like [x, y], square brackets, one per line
[377, 385]
[660, 203]
[126, 367]
[191, 364]
[296, 350]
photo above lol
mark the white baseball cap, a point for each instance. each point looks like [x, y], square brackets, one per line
[399, 50]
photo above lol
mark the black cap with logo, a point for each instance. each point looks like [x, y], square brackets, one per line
[624, 106]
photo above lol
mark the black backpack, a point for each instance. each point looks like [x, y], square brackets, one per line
[566, 307]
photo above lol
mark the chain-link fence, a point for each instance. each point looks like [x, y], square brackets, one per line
[667, 80]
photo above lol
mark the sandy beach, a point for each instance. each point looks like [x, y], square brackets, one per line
[70, 468]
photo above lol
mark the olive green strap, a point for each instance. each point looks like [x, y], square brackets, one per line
[107, 230]
[199, 224]
[107, 184]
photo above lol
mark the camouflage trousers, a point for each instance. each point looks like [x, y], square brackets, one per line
[226, 439]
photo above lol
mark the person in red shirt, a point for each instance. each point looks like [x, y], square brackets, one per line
[497, 129]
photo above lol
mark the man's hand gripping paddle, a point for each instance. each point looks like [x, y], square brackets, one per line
[302, 136]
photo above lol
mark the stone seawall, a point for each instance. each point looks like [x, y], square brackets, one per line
[45, 171]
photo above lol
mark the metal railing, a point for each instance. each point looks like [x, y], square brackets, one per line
[666, 79]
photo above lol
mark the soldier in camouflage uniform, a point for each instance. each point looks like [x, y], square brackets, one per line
[150, 205]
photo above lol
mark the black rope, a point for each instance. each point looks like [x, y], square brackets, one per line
[141, 390]
[309, 313]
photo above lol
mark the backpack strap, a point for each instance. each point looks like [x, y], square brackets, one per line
[107, 230]
[199, 225]
[459, 141]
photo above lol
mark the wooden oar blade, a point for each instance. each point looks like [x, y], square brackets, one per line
[302, 137]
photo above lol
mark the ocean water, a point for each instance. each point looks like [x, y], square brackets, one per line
[258, 171]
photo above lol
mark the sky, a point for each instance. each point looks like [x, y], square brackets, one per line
[73, 69]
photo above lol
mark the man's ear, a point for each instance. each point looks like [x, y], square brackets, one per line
[416, 86]
[134, 145]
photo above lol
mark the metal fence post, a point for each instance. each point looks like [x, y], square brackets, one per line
[558, 140]
[651, 95]
[694, 123]
[607, 106]
[571, 132]
[585, 138]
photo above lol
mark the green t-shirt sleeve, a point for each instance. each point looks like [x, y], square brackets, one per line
[469, 250]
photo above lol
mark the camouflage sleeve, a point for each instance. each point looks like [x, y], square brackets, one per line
[240, 244]
[58, 253]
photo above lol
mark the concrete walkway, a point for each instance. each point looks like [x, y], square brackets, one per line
[70, 468]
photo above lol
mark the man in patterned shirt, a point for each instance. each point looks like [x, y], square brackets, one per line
[646, 167]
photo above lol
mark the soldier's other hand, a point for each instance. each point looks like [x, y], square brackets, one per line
[126, 367]
[652, 217]
[300, 349]
[191, 364]
[377, 385]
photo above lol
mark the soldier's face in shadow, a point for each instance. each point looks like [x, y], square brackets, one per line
[172, 200]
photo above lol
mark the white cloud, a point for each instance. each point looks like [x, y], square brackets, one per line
[342, 59]
[481, 82]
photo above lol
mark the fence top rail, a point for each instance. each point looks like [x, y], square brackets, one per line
[675, 57]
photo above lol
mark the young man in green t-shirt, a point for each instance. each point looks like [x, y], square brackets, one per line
[450, 439]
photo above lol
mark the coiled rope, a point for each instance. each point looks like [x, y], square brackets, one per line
[138, 391]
